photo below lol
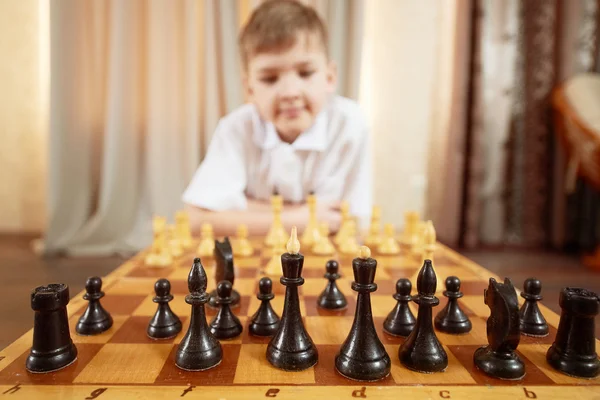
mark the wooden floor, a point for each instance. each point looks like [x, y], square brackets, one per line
[21, 271]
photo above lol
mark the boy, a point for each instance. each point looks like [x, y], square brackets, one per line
[294, 137]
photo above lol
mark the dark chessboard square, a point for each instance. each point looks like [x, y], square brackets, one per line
[222, 374]
[472, 288]
[178, 287]
[246, 273]
[134, 330]
[117, 304]
[312, 310]
[387, 286]
[386, 338]
[326, 374]
[533, 375]
[15, 372]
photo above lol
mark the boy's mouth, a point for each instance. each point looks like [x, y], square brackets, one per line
[293, 112]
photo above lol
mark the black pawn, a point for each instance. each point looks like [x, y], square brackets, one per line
[533, 322]
[165, 324]
[199, 349]
[225, 325]
[292, 348]
[422, 351]
[362, 356]
[401, 321]
[95, 319]
[451, 319]
[331, 298]
[52, 347]
[265, 321]
[574, 349]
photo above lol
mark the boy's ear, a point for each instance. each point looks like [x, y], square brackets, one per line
[247, 89]
[332, 76]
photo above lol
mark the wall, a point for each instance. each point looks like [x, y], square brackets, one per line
[397, 89]
[23, 105]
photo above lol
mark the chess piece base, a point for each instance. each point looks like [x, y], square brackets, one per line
[199, 360]
[534, 330]
[453, 327]
[401, 330]
[332, 304]
[38, 362]
[292, 361]
[501, 366]
[581, 367]
[164, 332]
[263, 330]
[95, 328]
[363, 370]
[226, 333]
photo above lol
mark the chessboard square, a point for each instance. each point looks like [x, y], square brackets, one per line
[104, 337]
[313, 286]
[117, 304]
[125, 285]
[402, 261]
[135, 330]
[477, 335]
[179, 273]
[149, 307]
[476, 305]
[276, 303]
[455, 373]
[317, 262]
[328, 330]
[222, 374]
[381, 305]
[15, 372]
[537, 354]
[246, 286]
[125, 363]
[253, 368]
[247, 262]
[463, 273]
[143, 271]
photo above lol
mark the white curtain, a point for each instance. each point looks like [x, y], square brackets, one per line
[137, 88]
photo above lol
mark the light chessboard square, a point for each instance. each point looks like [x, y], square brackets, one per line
[328, 330]
[253, 368]
[104, 337]
[125, 363]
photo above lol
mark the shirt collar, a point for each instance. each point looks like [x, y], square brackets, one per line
[314, 138]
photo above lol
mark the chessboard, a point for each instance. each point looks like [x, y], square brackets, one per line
[124, 363]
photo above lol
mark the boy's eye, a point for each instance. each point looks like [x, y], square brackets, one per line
[306, 74]
[269, 79]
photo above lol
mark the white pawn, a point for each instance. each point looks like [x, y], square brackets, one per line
[349, 244]
[243, 247]
[175, 246]
[274, 267]
[159, 255]
[184, 232]
[373, 238]
[207, 241]
[388, 244]
[311, 235]
[324, 247]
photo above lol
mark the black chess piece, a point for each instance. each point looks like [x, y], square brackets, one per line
[165, 324]
[362, 356]
[533, 322]
[265, 321]
[574, 349]
[422, 351]
[95, 319]
[199, 349]
[401, 321]
[224, 271]
[52, 347]
[225, 325]
[499, 358]
[292, 348]
[332, 298]
[452, 319]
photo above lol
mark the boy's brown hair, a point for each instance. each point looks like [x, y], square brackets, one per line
[275, 25]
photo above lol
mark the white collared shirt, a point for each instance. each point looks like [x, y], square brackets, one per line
[246, 157]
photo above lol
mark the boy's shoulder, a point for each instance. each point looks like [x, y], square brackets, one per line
[348, 116]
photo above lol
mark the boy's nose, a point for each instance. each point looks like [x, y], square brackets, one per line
[290, 87]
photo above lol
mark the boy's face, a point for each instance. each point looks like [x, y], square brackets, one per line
[290, 87]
